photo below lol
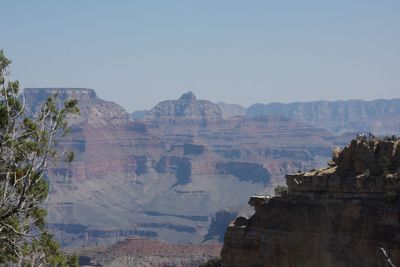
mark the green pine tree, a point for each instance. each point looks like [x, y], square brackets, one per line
[26, 146]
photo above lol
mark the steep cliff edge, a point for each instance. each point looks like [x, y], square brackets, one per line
[344, 215]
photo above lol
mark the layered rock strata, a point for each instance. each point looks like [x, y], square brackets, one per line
[165, 176]
[344, 215]
[379, 116]
[134, 252]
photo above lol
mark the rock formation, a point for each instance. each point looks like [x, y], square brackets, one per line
[92, 108]
[166, 176]
[379, 116]
[188, 107]
[344, 215]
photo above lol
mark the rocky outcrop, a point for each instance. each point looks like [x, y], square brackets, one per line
[379, 116]
[344, 215]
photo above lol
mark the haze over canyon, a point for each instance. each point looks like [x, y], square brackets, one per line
[182, 170]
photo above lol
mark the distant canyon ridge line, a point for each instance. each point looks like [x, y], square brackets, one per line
[182, 170]
[341, 116]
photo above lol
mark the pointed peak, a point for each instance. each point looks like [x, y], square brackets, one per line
[189, 96]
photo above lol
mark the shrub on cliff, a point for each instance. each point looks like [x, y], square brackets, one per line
[26, 145]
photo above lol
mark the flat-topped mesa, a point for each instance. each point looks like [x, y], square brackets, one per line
[64, 93]
[364, 166]
[92, 108]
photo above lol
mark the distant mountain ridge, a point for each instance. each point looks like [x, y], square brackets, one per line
[381, 116]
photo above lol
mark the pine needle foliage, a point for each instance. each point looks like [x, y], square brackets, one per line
[26, 147]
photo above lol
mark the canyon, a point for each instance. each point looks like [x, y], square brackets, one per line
[346, 214]
[169, 174]
[180, 172]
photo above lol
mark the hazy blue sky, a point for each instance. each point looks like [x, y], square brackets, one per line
[137, 53]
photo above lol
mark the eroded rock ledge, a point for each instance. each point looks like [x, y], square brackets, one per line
[344, 215]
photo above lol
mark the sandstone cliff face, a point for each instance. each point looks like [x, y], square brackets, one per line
[378, 116]
[344, 215]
